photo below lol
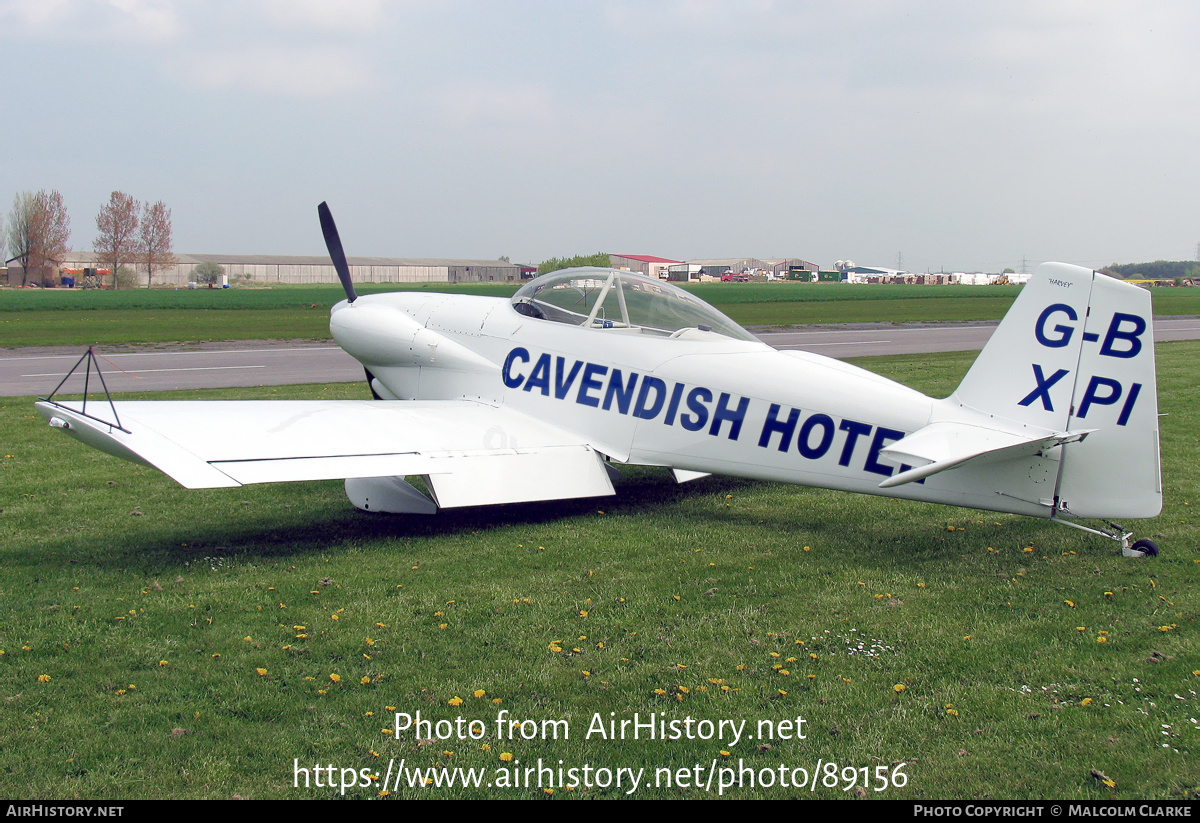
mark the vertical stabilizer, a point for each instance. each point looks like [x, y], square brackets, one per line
[1026, 373]
[1075, 353]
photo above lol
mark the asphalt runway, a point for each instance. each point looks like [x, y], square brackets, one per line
[25, 372]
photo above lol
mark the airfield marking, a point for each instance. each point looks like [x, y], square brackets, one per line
[859, 331]
[148, 371]
[173, 353]
[850, 343]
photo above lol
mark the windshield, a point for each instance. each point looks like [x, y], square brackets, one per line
[613, 299]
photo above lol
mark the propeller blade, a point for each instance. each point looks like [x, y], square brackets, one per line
[334, 243]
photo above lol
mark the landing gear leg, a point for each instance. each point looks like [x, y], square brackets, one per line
[1114, 531]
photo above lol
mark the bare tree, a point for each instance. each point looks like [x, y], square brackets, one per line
[155, 242]
[38, 231]
[116, 225]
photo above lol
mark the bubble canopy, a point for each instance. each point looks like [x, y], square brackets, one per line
[598, 298]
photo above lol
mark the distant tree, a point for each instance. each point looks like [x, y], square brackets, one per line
[1157, 270]
[208, 272]
[38, 230]
[125, 278]
[116, 231]
[154, 244]
[504, 257]
[556, 263]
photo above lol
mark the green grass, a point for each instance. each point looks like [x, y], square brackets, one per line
[665, 599]
[57, 317]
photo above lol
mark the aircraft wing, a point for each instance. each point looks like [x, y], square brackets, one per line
[472, 453]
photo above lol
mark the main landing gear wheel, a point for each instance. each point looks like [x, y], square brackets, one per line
[1142, 548]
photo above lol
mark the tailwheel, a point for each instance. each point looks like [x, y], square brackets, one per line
[1142, 548]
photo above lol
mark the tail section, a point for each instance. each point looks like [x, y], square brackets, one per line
[1074, 357]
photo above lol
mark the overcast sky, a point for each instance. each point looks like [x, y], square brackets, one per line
[963, 136]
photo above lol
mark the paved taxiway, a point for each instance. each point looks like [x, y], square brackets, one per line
[274, 363]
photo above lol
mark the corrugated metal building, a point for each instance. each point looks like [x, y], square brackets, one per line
[646, 264]
[270, 268]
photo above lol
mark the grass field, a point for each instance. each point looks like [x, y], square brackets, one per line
[33, 317]
[164, 643]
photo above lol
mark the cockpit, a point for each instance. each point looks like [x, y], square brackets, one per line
[596, 298]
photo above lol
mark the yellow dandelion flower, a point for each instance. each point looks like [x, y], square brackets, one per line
[1165, 628]
[437, 614]
[774, 654]
[782, 693]
[369, 641]
[952, 712]
[163, 663]
[364, 680]
[479, 693]
[261, 672]
[215, 656]
[1087, 701]
[506, 757]
[497, 701]
[784, 672]
[455, 701]
[1101, 639]
[336, 678]
[443, 625]
[1070, 603]
[248, 639]
[899, 687]
[725, 753]
[43, 678]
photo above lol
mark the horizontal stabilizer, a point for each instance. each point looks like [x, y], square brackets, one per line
[947, 445]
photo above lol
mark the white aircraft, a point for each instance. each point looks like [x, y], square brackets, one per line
[492, 400]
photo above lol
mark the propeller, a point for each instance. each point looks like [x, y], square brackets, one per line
[334, 243]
